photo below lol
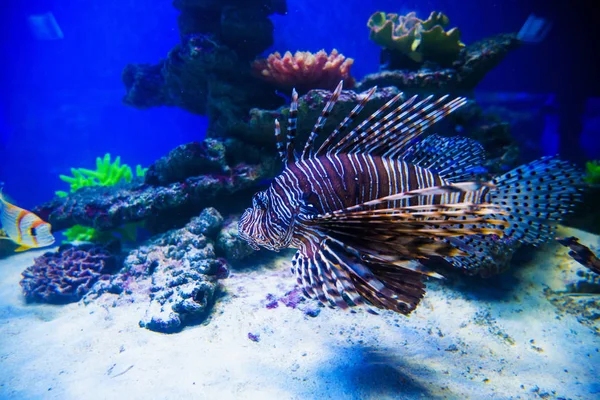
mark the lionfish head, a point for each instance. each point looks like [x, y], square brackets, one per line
[261, 225]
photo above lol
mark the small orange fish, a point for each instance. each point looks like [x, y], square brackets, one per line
[23, 227]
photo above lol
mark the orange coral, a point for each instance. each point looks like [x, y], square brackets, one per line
[305, 70]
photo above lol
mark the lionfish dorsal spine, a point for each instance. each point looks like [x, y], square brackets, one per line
[280, 143]
[291, 128]
[411, 127]
[372, 122]
[314, 134]
[409, 134]
[330, 141]
[384, 132]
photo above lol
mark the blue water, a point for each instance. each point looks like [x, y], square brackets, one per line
[63, 97]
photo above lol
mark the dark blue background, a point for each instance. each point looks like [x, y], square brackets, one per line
[61, 100]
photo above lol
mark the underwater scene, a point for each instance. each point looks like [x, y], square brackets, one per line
[299, 199]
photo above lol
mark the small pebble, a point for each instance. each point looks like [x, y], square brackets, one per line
[312, 312]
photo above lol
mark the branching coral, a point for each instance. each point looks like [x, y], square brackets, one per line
[106, 174]
[418, 39]
[79, 233]
[305, 70]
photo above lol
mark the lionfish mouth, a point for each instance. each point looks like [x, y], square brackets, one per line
[275, 239]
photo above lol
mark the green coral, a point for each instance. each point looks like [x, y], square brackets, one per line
[80, 233]
[592, 172]
[419, 40]
[107, 173]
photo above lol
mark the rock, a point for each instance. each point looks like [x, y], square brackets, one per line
[474, 62]
[106, 208]
[177, 273]
[192, 159]
[231, 245]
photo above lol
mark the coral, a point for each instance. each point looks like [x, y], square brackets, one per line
[176, 274]
[66, 275]
[417, 39]
[592, 172]
[106, 174]
[80, 233]
[473, 63]
[305, 70]
[192, 159]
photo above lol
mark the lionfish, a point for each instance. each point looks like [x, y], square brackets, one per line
[365, 208]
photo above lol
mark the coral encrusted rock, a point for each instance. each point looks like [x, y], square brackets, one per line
[183, 268]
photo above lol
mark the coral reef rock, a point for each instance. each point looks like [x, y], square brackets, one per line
[184, 266]
[192, 159]
[66, 275]
[305, 70]
[176, 273]
[231, 245]
[473, 63]
[209, 71]
[106, 208]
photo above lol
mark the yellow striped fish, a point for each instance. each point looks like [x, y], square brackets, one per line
[23, 227]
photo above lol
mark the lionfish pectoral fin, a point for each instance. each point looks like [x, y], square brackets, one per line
[482, 255]
[317, 279]
[412, 265]
[434, 222]
[463, 187]
[382, 285]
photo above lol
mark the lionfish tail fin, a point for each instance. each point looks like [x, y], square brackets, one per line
[536, 197]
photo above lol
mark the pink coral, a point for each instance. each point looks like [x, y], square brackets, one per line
[305, 70]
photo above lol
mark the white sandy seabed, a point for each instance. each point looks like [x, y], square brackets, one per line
[502, 339]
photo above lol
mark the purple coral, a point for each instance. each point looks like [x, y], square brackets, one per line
[68, 274]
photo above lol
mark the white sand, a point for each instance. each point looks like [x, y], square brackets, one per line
[510, 344]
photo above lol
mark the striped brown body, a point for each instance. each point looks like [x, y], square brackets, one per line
[339, 181]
